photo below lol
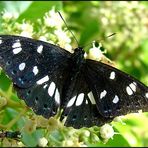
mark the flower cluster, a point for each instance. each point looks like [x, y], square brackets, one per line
[7, 16]
[52, 29]
[95, 53]
[126, 19]
[26, 29]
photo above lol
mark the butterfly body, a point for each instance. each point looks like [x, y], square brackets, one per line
[48, 77]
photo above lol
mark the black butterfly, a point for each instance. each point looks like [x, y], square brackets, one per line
[48, 77]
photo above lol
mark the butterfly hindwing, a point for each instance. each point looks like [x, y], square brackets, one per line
[79, 106]
[115, 92]
[45, 97]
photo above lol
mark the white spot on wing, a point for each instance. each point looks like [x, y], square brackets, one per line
[116, 99]
[129, 91]
[146, 95]
[112, 75]
[57, 96]
[44, 79]
[17, 50]
[86, 102]
[45, 86]
[80, 99]
[133, 86]
[91, 97]
[103, 94]
[1, 41]
[40, 49]
[51, 89]
[71, 101]
[16, 44]
[22, 66]
[17, 47]
[35, 70]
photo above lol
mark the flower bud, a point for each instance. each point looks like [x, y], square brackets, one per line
[106, 131]
[3, 101]
[42, 142]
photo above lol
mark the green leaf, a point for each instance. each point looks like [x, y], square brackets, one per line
[91, 29]
[38, 9]
[10, 114]
[118, 140]
[14, 6]
[4, 81]
[31, 140]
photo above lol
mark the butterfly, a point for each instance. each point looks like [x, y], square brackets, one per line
[48, 77]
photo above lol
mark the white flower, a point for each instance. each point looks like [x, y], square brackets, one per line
[68, 47]
[86, 133]
[43, 38]
[26, 27]
[119, 119]
[8, 16]
[105, 21]
[68, 143]
[51, 42]
[106, 131]
[62, 37]
[52, 19]
[27, 30]
[42, 142]
[26, 34]
[95, 53]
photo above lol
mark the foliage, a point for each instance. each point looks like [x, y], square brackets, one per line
[89, 21]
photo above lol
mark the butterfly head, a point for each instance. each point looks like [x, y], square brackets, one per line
[79, 52]
[79, 49]
[78, 55]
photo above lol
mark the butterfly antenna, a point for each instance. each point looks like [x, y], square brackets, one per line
[68, 28]
[100, 39]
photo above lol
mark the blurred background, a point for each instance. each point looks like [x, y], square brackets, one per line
[89, 21]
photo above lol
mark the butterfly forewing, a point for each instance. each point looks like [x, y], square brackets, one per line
[116, 93]
[38, 71]
[26, 60]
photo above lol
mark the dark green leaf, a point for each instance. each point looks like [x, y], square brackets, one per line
[38, 9]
